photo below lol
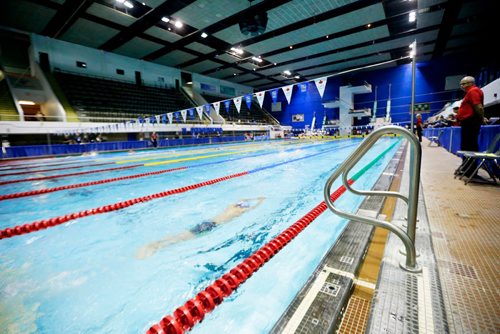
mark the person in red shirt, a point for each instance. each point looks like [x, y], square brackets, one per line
[470, 115]
[420, 126]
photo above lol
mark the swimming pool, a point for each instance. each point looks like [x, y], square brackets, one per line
[91, 274]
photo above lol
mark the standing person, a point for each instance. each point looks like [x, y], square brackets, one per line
[470, 115]
[154, 139]
[420, 125]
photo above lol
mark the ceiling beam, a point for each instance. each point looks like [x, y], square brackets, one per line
[65, 16]
[218, 26]
[450, 15]
[145, 22]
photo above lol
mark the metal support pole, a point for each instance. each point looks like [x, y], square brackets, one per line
[413, 66]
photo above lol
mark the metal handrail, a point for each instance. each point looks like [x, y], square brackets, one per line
[407, 237]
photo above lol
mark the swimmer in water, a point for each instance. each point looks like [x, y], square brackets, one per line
[231, 212]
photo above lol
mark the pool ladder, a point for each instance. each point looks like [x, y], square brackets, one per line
[407, 237]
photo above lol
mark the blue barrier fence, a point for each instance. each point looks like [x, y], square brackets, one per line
[63, 149]
[450, 138]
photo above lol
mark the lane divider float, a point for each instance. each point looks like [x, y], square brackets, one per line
[51, 222]
[97, 182]
[193, 311]
[54, 169]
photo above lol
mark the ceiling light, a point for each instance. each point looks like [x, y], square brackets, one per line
[291, 46]
[327, 36]
[413, 16]
[369, 25]
[178, 24]
[189, 83]
[128, 4]
[287, 72]
[237, 50]
[165, 19]
[26, 103]
[120, 1]
[259, 60]
[204, 35]
[297, 77]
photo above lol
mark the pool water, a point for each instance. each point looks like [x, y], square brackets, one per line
[97, 274]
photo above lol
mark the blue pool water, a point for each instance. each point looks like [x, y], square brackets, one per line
[92, 275]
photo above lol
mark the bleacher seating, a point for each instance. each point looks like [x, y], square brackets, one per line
[253, 116]
[98, 98]
[8, 110]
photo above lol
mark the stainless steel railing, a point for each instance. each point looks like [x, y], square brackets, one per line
[408, 236]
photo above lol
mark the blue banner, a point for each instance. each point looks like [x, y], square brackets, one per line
[176, 116]
[191, 113]
[303, 87]
[274, 95]
[248, 100]
[207, 109]
[164, 118]
[227, 104]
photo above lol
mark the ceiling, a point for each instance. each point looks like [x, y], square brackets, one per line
[308, 38]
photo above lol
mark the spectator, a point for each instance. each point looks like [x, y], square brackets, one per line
[471, 116]
[419, 125]
[154, 139]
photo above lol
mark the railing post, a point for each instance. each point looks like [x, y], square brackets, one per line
[408, 237]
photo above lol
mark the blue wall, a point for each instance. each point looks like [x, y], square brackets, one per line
[430, 85]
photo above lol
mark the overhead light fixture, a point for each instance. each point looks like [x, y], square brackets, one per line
[287, 72]
[120, 1]
[178, 24]
[189, 83]
[26, 103]
[297, 77]
[291, 46]
[257, 59]
[412, 16]
[128, 4]
[204, 35]
[237, 50]
[369, 25]
[165, 19]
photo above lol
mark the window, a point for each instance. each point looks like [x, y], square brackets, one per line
[120, 71]
[81, 64]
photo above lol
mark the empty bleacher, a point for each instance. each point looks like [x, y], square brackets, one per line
[97, 98]
[8, 110]
[253, 116]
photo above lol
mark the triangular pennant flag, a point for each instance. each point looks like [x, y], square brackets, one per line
[227, 104]
[320, 85]
[170, 117]
[183, 114]
[260, 98]
[164, 118]
[237, 103]
[216, 107]
[288, 92]
[199, 110]
[191, 113]
[248, 100]
[207, 109]
[274, 95]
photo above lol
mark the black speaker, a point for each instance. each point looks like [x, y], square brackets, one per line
[255, 25]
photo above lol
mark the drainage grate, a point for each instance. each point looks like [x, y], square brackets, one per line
[462, 270]
[330, 289]
[346, 259]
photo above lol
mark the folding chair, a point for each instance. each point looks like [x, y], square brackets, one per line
[435, 139]
[488, 160]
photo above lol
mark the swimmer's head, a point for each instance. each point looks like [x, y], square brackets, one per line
[243, 204]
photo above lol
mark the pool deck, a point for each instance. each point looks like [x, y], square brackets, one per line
[360, 287]
[457, 238]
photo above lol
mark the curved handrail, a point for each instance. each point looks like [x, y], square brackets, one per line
[408, 237]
